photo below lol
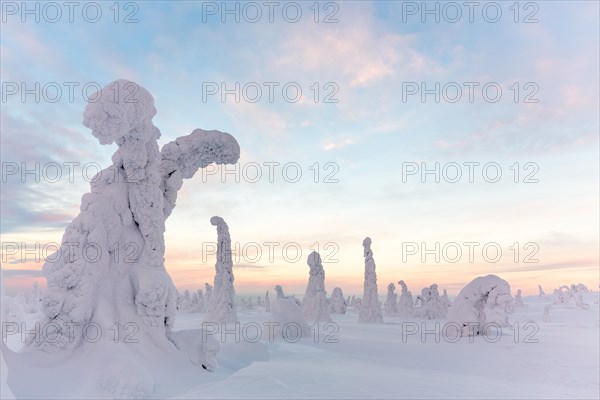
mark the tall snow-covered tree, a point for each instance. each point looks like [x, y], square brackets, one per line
[123, 217]
[221, 307]
[314, 304]
[370, 309]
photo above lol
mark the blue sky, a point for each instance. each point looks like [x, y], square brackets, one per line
[369, 55]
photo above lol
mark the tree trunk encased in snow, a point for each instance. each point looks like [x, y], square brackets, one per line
[124, 216]
[315, 307]
[221, 307]
[468, 311]
[370, 309]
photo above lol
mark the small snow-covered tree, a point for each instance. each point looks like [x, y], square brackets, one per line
[519, 299]
[406, 307]
[208, 289]
[201, 301]
[468, 312]
[287, 312]
[267, 302]
[259, 301]
[370, 310]
[446, 300]
[541, 291]
[314, 304]
[431, 305]
[222, 300]
[337, 303]
[281, 295]
[390, 307]
[34, 300]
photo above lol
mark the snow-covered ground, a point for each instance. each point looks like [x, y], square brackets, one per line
[345, 359]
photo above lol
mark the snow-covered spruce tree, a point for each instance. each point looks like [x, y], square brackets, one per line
[370, 310]
[406, 307]
[468, 312]
[446, 300]
[431, 305]
[314, 304]
[267, 302]
[221, 307]
[208, 289]
[390, 307]
[541, 291]
[519, 299]
[126, 209]
[34, 300]
[201, 301]
[337, 303]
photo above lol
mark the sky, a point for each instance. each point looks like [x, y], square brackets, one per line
[462, 146]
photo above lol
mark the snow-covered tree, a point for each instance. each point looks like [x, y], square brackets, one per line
[519, 299]
[124, 216]
[5, 391]
[267, 302]
[201, 301]
[370, 310]
[468, 311]
[314, 304]
[337, 303]
[356, 304]
[406, 307]
[541, 291]
[580, 303]
[35, 298]
[259, 301]
[287, 312]
[446, 300]
[281, 295]
[208, 289]
[431, 305]
[390, 307]
[221, 307]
